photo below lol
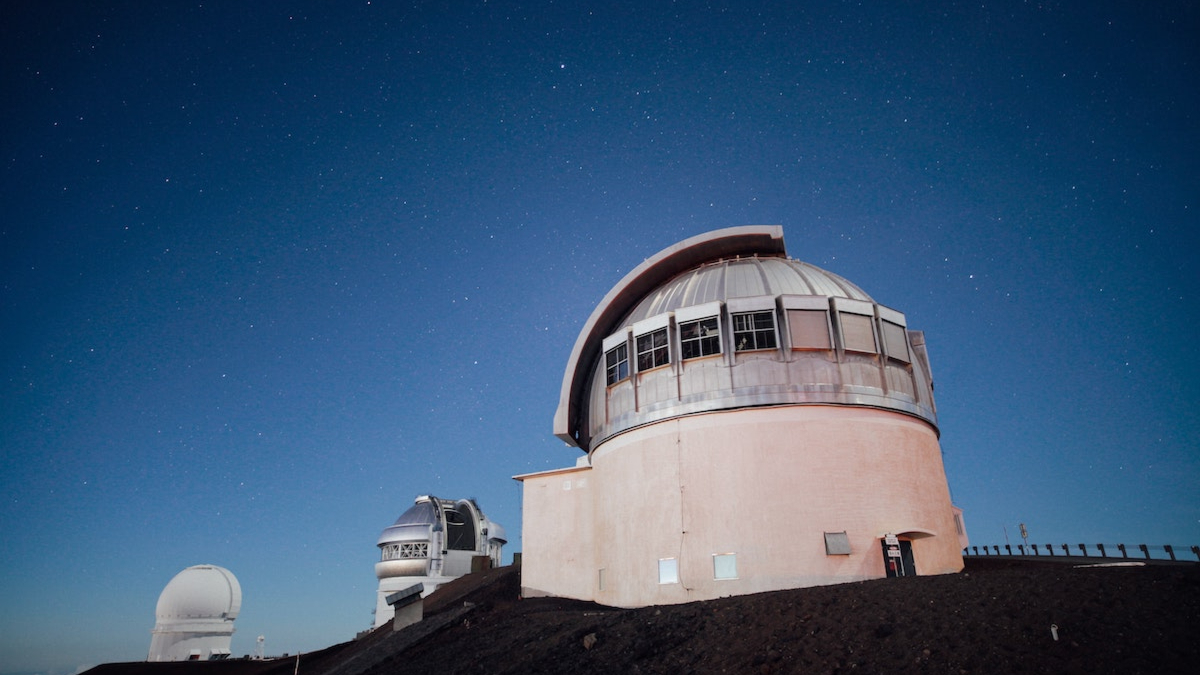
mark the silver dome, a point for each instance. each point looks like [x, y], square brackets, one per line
[725, 320]
[743, 278]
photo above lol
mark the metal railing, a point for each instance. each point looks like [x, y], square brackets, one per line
[1118, 552]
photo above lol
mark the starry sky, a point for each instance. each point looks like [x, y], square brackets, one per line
[268, 271]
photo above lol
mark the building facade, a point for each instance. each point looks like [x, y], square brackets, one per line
[749, 423]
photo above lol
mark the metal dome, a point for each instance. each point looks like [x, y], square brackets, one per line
[412, 525]
[743, 278]
[725, 320]
[200, 592]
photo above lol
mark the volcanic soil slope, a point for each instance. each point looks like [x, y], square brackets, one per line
[995, 617]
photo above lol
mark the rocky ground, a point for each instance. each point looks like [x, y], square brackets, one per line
[995, 617]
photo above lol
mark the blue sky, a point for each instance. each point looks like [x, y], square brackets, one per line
[268, 272]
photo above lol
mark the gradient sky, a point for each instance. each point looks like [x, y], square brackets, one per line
[270, 270]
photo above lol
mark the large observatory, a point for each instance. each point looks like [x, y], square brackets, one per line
[194, 616]
[749, 423]
[433, 542]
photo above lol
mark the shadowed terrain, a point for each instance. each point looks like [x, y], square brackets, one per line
[995, 617]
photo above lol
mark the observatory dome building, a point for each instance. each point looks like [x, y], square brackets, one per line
[433, 542]
[194, 616]
[749, 423]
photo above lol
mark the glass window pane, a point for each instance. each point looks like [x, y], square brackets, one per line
[699, 338]
[754, 330]
[668, 571]
[653, 350]
[725, 566]
[617, 364]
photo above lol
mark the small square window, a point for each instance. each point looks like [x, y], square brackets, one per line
[837, 543]
[724, 566]
[616, 361]
[668, 571]
[601, 578]
[699, 338]
[754, 330]
[653, 350]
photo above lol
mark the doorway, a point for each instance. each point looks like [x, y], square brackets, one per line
[898, 557]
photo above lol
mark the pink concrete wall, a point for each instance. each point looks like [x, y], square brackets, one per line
[763, 483]
[557, 544]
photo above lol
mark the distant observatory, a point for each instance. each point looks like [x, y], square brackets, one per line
[750, 423]
[194, 616]
[433, 542]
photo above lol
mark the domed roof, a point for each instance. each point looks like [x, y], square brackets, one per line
[413, 525]
[200, 592]
[743, 278]
[843, 349]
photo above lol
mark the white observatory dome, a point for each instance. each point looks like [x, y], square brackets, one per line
[195, 614]
[200, 592]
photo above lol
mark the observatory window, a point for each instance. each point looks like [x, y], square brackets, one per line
[668, 571]
[724, 566]
[406, 551]
[894, 341]
[754, 330]
[809, 328]
[857, 334]
[616, 362]
[837, 543]
[699, 338]
[653, 350]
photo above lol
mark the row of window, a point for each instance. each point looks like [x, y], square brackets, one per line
[725, 564]
[809, 329]
[416, 549]
[724, 567]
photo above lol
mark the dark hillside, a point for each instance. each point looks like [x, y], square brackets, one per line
[996, 617]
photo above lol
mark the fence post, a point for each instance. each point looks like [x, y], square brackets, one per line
[997, 548]
[1170, 551]
[1083, 547]
[1145, 550]
[1102, 553]
[1008, 548]
[1066, 551]
[1123, 553]
[1050, 548]
[1021, 548]
[976, 549]
[1196, 552]
[1035, 549]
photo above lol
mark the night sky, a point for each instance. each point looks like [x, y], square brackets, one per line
[268, 271]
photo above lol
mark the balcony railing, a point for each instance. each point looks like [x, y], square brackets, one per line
[1109, 551]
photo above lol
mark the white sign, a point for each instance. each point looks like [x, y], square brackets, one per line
[893, 553]
[891, 540]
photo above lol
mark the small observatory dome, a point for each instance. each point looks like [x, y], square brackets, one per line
[194, 616]
[434, 541]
